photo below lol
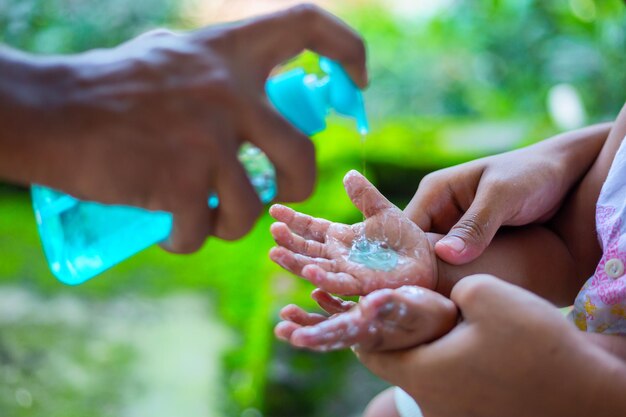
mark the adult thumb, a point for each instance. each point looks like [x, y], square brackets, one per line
[469, 237]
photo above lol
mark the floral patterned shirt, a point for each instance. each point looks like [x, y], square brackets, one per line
[601, 304]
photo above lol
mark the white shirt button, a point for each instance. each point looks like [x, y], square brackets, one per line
[614, 268]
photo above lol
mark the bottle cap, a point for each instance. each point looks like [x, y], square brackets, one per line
[304, 99]
[345, 96]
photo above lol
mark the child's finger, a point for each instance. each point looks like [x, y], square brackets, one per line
[299, 316]
[338, 332]
[283, 237]
[294, 262]
[334, 282]
[306, 226]
[330, 304]
[285, 329]
[365, 196]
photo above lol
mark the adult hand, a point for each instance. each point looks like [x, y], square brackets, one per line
[513, 355]
[157, 122]
[471, 201]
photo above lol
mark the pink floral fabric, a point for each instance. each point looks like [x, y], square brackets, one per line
[601, 304]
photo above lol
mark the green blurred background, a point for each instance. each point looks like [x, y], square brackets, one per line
[163, 335]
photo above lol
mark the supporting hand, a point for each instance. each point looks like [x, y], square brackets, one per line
[513, 355]
[471, 201]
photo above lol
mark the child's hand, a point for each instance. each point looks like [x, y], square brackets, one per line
[318, 250]
[513, 355]
[381, 321]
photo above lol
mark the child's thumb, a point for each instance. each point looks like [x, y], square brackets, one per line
[364, 195]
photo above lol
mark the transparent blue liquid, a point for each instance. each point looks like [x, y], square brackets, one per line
[373, 254]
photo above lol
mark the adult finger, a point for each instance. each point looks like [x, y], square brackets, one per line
[285, 238]
[469, 237]
[431, 203]
[274, 38]
[393, 366]
[365, 196]
[192, 225]
[410, 367]
[194, 221]
[239, 206]
[485, 296]
[444, 195]
[304, 225]
[292, 153]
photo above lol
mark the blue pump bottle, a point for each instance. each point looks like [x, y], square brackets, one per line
[81, 239]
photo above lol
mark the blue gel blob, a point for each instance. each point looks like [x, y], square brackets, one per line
[373, 254]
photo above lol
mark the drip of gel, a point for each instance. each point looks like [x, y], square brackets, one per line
[373, 254]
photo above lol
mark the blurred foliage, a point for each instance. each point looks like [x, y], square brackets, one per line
[495, 59]
[65, 26]
[469, 81]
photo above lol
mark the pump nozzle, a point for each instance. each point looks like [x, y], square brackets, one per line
[305, 99]
[345, 96]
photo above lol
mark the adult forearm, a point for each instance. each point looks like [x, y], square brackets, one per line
[601, 382]
[575, 222]
[577, 149]
[27, 85]
[532, 257]
[614, 344]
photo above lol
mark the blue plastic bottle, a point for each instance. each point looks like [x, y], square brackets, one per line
[82, 239]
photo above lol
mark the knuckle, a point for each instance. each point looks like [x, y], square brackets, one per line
[432, 180]
[359, 50]
[307, 11]
[471, 227]
[497, 187]
[159, 33]
[233, 233]
[188, 187]
[186, 246]
[471, 290]
[238, 226]
[219, 86]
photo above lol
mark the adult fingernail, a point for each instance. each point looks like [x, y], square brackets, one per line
[454, 243]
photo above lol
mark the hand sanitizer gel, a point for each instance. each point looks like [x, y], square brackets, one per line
[82, 239]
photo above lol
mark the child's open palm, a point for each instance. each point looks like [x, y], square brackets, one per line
[318, 250]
